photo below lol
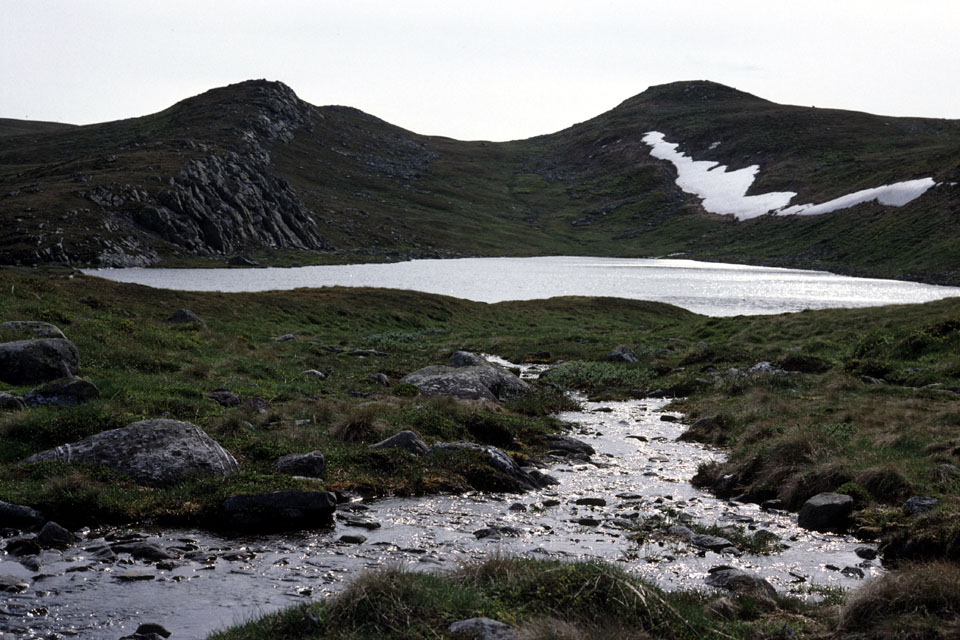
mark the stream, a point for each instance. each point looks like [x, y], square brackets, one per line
[640, 471]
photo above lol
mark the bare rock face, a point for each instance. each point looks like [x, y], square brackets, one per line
[36, 361]
[468, 378]
[155, 453]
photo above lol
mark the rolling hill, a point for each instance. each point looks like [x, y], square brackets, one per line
[252, 170]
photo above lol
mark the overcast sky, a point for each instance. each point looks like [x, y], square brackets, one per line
[478, 69]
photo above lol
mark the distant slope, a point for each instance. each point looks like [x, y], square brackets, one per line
[251, 169]
[11, 127]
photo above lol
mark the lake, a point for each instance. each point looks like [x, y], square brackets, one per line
[713, 289]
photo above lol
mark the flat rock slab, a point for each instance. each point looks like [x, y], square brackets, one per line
[156, 452]
[35, 361]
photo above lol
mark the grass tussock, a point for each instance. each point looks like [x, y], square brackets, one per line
[919, 601]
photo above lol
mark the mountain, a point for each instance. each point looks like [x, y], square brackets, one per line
[251, 169]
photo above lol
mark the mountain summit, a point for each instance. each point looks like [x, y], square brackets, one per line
[251, 169]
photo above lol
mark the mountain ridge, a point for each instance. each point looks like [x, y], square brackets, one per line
[252, 169]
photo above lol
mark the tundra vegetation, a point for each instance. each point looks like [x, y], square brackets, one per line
[857, 401]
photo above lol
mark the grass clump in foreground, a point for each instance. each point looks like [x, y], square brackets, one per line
[543, 599]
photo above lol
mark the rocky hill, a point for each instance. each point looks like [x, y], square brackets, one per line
[252, 170]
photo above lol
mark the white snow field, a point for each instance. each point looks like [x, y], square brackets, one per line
[724, 191]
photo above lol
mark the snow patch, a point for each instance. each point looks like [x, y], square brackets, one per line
[725, 192]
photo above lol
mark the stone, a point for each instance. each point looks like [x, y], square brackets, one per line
[774, 504]
[684, 533]
[364, 353]
[539, 477]
[918, 505]
[472, 382]
[713, 543]
[313, 373]
[29, 362]
[311, 465]
[242, 261]
[185, 316]
[867, 553]
[19, 516]
[591, 502]
[381, 379]
[558, 442]
[53, 536]
[499, 460]
[482, 629]
[143, 551]
[13, 584]
[25, 546]
[66, 392]
[31, 329]
[405, 440]
[738, 581]
[159, 452]
[255, 404]
[224, 397]
[852, 572]
[287, 337]
[281, 510]
[496, 532]
[361, 523]
[826, 512]
[352, 538]
[621, 354]
[11, 403]
[765, 369]
[148, 631]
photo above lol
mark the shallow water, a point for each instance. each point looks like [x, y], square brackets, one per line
[709, 288]
[73, 594]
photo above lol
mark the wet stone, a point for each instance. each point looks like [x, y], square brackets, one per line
[591, 502]
[13, 584]
[866, 553]
[134, 576]
[142, 551]
[352, 539]
[53, 536]
[353, 521]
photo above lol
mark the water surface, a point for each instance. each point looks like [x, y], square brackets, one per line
[703, 287]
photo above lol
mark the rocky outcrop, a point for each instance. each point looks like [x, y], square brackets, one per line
[280, 510]
[471, 378]
[34, 361]
[826, 512]
[156, 452]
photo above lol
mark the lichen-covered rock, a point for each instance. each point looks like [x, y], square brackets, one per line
[25, 362]
[157, 452]
[470, 382]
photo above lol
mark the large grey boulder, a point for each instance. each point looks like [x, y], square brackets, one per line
[30, 329]
[36, 361]
[157, 452]
[826, 512]
[467, 381]
[310, 465]
[405, 440]
[280, 510]
[66, 392]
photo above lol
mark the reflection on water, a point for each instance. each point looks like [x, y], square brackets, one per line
[640, 471]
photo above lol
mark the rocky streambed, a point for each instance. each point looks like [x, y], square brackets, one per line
[630, 503]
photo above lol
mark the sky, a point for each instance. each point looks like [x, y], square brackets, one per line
[491, 70]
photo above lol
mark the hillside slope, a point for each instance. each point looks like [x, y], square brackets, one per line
[251, 169]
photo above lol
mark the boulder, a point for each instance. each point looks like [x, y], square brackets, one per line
[157, 452]
[713, 543]
[66, 392]
[311, 465]
[467, 359]
[13, 584]
[31, 329]
[469, 382]
[918, 505]
[19, 516]
[185, 316]
[499, 460]
[826, 512]
[281, 510]
[224, 397]
[621, 354]
[405, 440]
[741, 582]
[11, 403]
[53, 536]
[35, 361]
[482, 629]
[566, 444]
[381, 379]
[140, 550]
